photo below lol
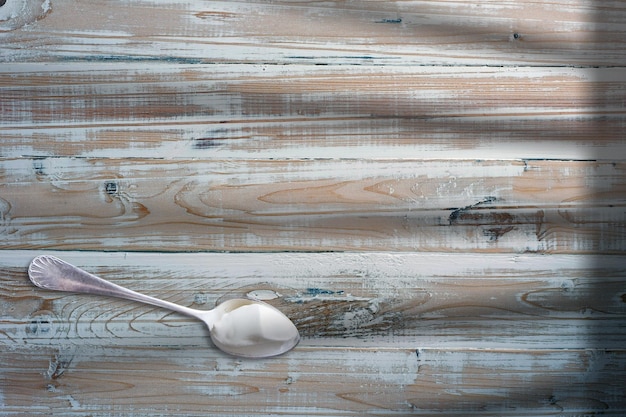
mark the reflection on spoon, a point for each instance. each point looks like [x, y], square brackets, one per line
[240, 327]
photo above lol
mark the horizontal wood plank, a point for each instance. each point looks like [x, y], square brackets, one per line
[337, 300]
[299, 111]
[432, 190]
[384, 334]
[494, 32]
[325, 382]
[406, 205]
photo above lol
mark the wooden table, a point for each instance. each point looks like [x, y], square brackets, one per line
[433, 191]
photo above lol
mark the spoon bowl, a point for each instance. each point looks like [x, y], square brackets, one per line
[240, 327]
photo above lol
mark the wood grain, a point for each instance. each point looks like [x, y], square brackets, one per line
[432, 190]
[493, 206]
[499, 335]
[381, 382]
[494, 32]
[299, 111]
[378, 299]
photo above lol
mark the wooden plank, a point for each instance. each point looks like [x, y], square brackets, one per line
[301, 111]
[74, 354]
[329, 382]
[470, 155]
[494, 32]
[405, 205]
[375, 300]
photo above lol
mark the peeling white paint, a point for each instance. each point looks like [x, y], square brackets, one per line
[15, 14]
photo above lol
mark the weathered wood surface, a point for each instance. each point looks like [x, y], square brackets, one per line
[300, 111]
[492, 32]
[383, 333]
[433, 205]
[376, 299]
[469, 157]
[313, 382]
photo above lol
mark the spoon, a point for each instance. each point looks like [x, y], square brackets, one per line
[240, 327]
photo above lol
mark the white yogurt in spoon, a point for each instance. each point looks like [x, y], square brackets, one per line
[250, 328]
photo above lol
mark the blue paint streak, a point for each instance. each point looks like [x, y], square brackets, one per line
[319, 291]
[126, 58]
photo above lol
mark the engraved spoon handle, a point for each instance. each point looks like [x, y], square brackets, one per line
[52, 273]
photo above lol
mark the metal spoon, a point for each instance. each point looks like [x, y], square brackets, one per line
[240, 327]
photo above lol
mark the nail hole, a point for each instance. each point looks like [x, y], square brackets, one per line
[516, 36]
[3, 2]
[109, 187]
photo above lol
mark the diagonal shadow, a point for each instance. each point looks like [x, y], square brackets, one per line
[604, 123]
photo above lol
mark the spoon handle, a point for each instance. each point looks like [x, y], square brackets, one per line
[52, 273]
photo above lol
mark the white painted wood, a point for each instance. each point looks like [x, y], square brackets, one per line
[337, 204]
[299, 111]
[401, 300]
[328, 382]
[17, 14]
[494, 32]
[384, 333]
[433, 191]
